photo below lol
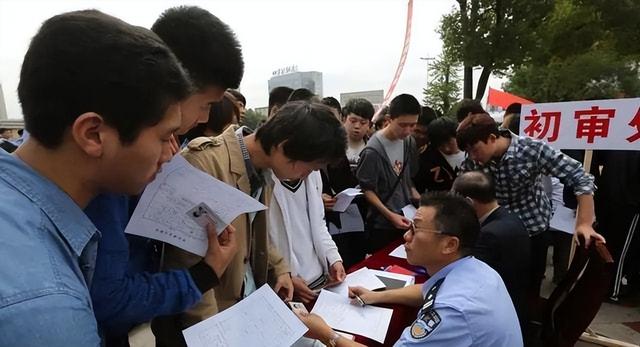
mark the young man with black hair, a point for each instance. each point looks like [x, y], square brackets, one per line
[503, 242]
[440, 162]
[357, 114]
[301, 138]
[510, 114]
[241, 103]
[100, 100]
[468, 107]
[386, 167]
[125, 291]
[303, 94]
[421, 132]
[278, 96]
[333, 103]
[517, 164]
[464, 302]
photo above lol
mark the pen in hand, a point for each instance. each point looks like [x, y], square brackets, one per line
[360, 301]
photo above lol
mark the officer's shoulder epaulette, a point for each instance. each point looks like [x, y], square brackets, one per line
[202, 143]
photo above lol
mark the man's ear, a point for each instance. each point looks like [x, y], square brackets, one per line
[280, 146]
[451, 245]
[88, 133]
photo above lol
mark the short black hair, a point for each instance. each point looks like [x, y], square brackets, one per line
[455, 217]
[301, 94]
[441, 131]
[514, 125]
[333, 103]
[404, 104]
[310, 132]
[87, 61]
[476, 185]
[207, 48]
[466, 106]
[238, 96]
[475, 128]
[360, 107]
[515, 107]
[427, 115]
[278, 96]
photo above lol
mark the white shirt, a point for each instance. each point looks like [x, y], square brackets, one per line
[455, 160]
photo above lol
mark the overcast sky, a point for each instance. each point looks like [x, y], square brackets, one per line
[356, 44]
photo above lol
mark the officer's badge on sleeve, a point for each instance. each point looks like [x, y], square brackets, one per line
[426, 323]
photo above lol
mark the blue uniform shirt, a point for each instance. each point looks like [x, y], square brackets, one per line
[47, 258]
[472, 308]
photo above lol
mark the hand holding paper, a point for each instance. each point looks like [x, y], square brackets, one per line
[344, 198]
[222, 248]
[179, 194]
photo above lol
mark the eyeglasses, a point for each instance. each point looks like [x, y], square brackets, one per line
[413, 228]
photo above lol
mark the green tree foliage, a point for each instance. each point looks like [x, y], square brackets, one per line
[493, 34]
[443, 89]
[587, 49]
[253, 118]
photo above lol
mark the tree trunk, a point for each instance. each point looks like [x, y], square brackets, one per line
[468, 82]
[482, 82]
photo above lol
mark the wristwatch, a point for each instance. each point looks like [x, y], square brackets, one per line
[333, 340]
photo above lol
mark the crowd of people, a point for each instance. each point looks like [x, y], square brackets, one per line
[106, 103]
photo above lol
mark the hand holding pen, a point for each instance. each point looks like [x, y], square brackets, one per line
[361, 296]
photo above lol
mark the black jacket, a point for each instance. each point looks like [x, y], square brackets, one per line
[434, 172]
[504, 245]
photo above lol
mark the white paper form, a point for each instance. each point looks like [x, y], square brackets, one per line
[262, 319]
[340, 314]
[362, 277]
[161, 213]
[564, 219]
[344, 198]
[399, 252]
[409, 211]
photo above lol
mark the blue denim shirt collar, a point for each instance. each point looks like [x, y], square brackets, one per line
[72, 223]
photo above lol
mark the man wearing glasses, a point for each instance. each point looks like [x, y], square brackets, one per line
[464, 303]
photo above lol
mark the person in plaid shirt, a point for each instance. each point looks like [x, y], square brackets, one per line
[517, 165]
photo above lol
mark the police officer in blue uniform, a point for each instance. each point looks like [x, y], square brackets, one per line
[464, 303]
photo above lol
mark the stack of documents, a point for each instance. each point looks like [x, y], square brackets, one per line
[261, 320]
[340, 314]
[364, 278]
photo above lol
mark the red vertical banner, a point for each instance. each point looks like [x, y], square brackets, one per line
[403, 59]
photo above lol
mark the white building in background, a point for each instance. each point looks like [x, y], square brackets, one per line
[373, 96]
[292, 78]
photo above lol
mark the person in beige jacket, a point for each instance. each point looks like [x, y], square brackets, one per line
[301, 138]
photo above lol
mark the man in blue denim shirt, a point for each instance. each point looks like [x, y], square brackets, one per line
[100, 100]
